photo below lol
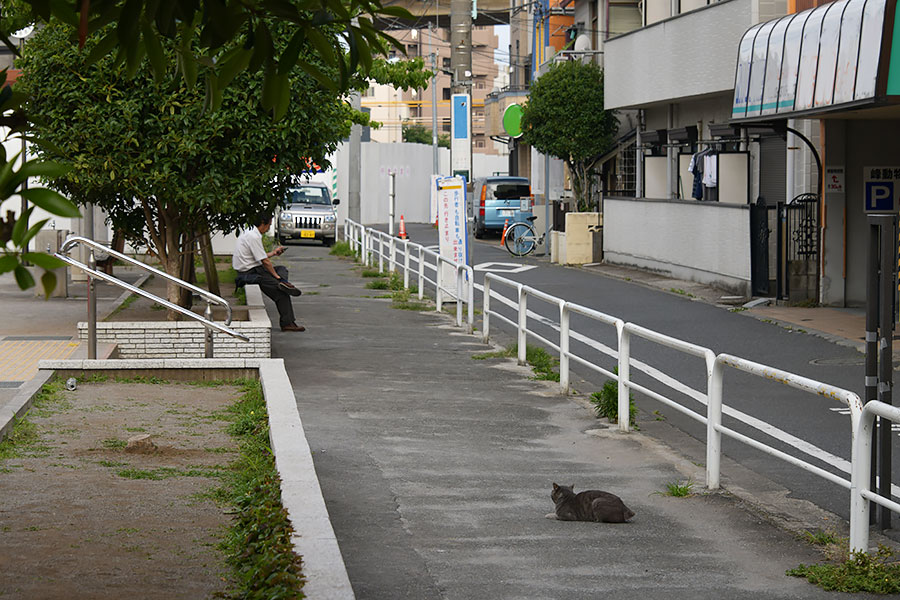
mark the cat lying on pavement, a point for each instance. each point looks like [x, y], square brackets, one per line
[589, 505]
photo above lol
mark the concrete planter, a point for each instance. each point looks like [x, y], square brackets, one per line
[185, 339]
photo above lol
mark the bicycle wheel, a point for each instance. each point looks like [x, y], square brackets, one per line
[520, 239]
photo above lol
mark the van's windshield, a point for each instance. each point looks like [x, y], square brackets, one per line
[308, 195]
[508, 190]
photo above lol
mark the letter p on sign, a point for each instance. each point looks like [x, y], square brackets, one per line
[880, 196]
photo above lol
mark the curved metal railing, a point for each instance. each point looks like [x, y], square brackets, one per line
[93, 273]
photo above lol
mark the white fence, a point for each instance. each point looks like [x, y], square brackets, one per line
[372, 245]
[714, 398]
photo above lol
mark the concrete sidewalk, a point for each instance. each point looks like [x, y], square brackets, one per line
[436, 470]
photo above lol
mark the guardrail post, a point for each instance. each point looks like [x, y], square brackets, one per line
[486, 317]
[624, 378]
[92, 307]
[713, 422]
[405, 264]
[365, 248]
[393, 255]
[421, 272]
[459, 294]
[563, 347]
[208, 341]
[380, 254]
[523, 324]
[439, 284]
[860, 469]
[470, 306]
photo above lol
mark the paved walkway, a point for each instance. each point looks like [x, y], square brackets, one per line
[436, 467]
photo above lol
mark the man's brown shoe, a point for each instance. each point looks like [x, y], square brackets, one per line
[293, 327]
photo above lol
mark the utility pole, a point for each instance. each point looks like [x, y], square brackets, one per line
[436, 169]
[461, 45]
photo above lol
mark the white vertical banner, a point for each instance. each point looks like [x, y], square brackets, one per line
[461, 135]
[451, 196]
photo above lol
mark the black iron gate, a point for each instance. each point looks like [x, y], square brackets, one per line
[798, 249]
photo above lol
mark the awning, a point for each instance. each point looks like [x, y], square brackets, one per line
[833, 57]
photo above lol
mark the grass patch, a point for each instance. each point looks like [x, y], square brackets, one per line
[862, 572]
[161, 473]
[378, 284]
[342, 249]
[679, 490]
[114, 444]
[508, 352]
[542, 362]
[241, 295]
[23, 436]
[821, 538]
[125, 304]
[258, 545]
[225, 276]
[606, 402]
[371, 273]
[402, 299]
[24, 439]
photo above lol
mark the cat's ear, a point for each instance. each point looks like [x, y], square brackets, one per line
[555, 487]
[572, 487]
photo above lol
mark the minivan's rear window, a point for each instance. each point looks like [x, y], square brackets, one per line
[507, 191]
[308, 195]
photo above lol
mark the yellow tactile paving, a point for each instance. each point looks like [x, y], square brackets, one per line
[19, 358]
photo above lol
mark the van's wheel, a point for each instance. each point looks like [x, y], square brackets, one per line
[328, 242]
[282, 241]
[478, 233]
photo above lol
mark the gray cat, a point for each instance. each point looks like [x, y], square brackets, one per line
[589, 505]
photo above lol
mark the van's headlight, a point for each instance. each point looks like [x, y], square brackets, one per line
[285, 216]
[330, 218]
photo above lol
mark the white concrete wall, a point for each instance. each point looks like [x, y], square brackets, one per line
[665, 236]
[691, 55]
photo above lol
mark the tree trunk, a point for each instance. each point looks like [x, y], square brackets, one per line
[209, 264]
[188, 274]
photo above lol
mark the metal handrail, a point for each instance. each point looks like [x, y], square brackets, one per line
[206, 319]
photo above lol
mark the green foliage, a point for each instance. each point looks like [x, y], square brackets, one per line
[419, 134]
[564, 117]
[258, 545]
[378, 284]
[679, 490]
[821, 538]
[402, 299]
[241, 295]
[606, 402]
[402, 74]
[862, 572]
[342, 249]
[148, 153]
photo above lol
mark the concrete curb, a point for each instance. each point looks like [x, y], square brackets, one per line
[314, 538]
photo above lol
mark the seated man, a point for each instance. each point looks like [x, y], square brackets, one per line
[251, 261]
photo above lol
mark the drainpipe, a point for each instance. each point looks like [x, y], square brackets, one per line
[671, 171]
[791, 155]
[639, 158]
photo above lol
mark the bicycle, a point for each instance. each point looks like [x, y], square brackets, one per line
[521, 240]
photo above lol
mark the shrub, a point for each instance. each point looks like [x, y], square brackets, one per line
[606, 402]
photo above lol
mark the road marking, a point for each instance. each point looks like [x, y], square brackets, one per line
[808, 448]
[501, 267]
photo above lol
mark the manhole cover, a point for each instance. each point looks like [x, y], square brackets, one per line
[839, 362]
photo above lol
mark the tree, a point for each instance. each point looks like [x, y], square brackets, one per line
[215, 40]
[162, 167]
[418, 134]
[564, 118]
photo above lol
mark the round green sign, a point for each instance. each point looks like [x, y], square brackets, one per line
[512, 120]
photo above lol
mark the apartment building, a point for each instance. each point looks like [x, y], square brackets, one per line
[698, 177]
[394, 108]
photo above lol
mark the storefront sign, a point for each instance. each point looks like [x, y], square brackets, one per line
[881, 189]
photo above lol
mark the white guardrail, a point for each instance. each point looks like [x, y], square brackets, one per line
[371, 244]
[860, 418]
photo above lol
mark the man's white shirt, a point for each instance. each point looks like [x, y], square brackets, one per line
[249, 251]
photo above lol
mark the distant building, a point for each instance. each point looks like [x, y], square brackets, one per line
[394, 108]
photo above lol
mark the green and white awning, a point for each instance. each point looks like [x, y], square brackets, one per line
[836, 56]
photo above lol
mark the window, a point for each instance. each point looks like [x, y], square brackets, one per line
[479, 85]
[445, 126]
[446, 63]
[446, 93]
[479, 143]
[412, 50]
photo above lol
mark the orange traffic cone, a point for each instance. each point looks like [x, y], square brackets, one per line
[402, 235]
[503, 235]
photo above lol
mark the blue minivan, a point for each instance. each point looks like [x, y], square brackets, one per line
[498, 199]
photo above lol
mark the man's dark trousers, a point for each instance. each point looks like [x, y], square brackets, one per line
[269, 286]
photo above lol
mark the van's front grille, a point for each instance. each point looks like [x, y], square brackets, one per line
[308, 222]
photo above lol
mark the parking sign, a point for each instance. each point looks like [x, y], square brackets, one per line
[881, 187]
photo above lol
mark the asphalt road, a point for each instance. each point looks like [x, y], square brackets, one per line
[817, 420]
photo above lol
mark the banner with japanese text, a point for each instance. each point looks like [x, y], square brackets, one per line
[451, 197]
